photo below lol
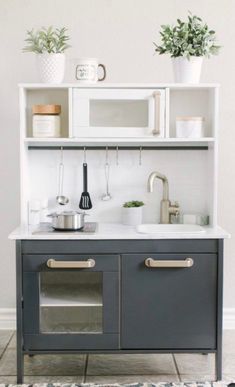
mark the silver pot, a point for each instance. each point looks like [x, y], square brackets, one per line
[67, 220]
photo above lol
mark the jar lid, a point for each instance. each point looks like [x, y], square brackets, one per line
[46, 109]
[190, 118]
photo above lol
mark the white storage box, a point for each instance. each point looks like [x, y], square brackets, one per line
[192, 127]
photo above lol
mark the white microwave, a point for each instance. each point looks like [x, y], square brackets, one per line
[118, 113]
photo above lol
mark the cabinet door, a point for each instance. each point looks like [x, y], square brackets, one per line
[70, 302]
[169, 307]
[118, 113]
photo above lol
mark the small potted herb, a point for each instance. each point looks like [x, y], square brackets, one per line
[132, 213]
[187, 43]
[49, 45]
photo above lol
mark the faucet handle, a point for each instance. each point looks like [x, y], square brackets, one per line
[175, 208]
[175, 212]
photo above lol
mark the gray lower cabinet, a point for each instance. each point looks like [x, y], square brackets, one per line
[104, 297]
[169, 308]
[71, 308]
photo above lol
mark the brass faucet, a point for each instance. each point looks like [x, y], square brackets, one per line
[167, 208]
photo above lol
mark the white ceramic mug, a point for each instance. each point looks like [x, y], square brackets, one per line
[87, 70]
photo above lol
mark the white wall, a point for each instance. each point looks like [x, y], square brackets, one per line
[120, 33]
[128, 180]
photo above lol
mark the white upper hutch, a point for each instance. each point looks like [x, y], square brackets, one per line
[136, 115]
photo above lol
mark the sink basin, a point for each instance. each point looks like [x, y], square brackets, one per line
[169, 228]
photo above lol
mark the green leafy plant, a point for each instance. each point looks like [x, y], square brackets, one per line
[190, 38]
[47, 40]
[133, 203]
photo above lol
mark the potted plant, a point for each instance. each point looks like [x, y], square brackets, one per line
[132, 213]
[187, 43]
[49, 45]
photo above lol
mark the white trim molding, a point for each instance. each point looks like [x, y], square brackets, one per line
[229, 318]
[8, 318]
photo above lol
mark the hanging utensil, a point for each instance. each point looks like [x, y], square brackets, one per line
[85, 201]
[61, 199]
[106, 196]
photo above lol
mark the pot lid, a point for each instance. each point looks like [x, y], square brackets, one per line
[66, 213]
[69, 213]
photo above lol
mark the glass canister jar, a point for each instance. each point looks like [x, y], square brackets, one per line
[46, 120]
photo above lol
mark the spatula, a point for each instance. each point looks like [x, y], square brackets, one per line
[85, 201]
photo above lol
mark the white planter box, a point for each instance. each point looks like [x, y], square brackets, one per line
[187, 71]
[132, 216]
[51, 67]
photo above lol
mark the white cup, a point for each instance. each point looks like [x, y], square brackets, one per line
[87, 70]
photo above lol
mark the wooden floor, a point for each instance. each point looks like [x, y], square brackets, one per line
[114, 368]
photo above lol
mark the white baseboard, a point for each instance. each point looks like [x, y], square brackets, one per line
[8, 318]
[229, 318]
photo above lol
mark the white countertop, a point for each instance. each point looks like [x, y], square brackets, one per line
[113, 231]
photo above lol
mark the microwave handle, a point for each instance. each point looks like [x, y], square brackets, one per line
[157, 112]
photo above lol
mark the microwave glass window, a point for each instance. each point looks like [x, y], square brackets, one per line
[71, 302]
[119, 113]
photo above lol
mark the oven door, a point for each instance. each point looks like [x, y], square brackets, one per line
[118, 113]
[70, 302]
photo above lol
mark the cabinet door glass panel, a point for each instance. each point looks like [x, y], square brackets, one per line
[119, 113]
[71, 302]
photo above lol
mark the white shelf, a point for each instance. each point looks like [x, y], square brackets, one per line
[99, 141]
[106, 85]
[61, 296]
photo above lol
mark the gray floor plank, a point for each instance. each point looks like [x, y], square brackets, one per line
[12, 343]
[5, 337]
[132, 379]
[131, 365]
[195, 364]
[53, 379]
[200, 377]
[7, 379]
[41, 365]
[42, 379]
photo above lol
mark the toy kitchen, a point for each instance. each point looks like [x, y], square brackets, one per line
[119, 250]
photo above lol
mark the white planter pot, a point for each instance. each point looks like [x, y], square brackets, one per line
[187, 71]
[132, 216]
[51, 67]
